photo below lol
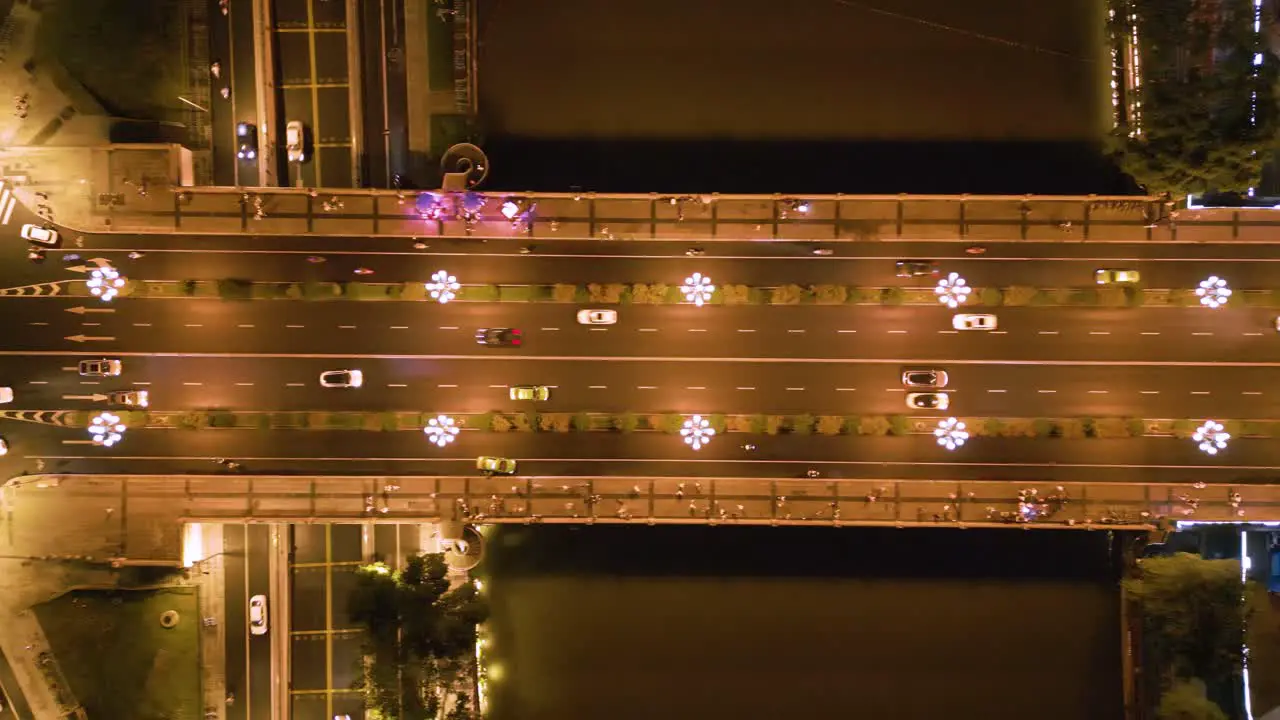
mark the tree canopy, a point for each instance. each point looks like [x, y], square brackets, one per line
[1186, 700]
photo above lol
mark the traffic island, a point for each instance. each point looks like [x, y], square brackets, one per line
[1102, 428]
[1109, 296]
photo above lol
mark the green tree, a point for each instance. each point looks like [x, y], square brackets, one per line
[1193, 615]
[1186, 700]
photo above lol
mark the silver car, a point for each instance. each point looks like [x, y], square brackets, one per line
[925, 378]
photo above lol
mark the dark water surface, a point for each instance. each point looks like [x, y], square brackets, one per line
[671, 623]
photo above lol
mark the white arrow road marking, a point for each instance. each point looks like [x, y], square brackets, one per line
[79, 310]
[96, 398]
[86, 338]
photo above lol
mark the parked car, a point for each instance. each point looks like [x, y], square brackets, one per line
[247, 135]
[496, 465]
[295, 141]
[106, 367]
[966, 321]
[258, 615]
[41, 234]
[597, 317]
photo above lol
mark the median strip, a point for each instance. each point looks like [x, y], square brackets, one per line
[664, 294]
[671, 423]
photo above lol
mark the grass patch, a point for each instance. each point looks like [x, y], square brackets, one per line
[119, 661]
[1264, 650]
[130, 60]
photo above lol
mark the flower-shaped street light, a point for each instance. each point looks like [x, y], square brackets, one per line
[106, 429]
[951, 433]
[697, 289]
[952, 290]
[441, 430]
[697, 431]
[443, 287]
[1213, 292]
[105, 283]
[1212, 436]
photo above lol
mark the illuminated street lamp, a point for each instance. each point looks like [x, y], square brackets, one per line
[443, 287]
[105, 283]
[952, 290]
[1211, 436]
[697, 289]
[697, 431]
[106, 429]
[441, 430]
[951, 433]
[1213, 292]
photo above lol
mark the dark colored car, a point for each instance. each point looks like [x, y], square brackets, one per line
[247, 135]
[917, 268]
[499, 337]
[925, 378]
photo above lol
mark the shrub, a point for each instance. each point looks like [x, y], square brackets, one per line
[1073, 428]
[830, 294]
[803, 424]
[873, 425]
[413, 291]
[235, 289]
[1110, 428]
[192, 420]
[481, 293]
[774, 424]
[992, 427]
[581, 422]
[501, 423]
[1041, 427]
[718, 422]
[1022, 427]
[626, 422]
[1183, 429]
[1111, 296]
[1134, 297]
[1018, 295]
[320, 290]
[671, 423]
[662, 293]
[515, 293]
[830, 425]
[1135, 427]
[740, 423]
[898, 425]
[188, 287]
[892, 296]
[786, 295]
[991, 296]
[555, 422]
[736, 294]
[563, 293]
[221, 418]
[524, 421]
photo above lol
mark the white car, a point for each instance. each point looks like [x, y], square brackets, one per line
[106, 367]
[6, 395]
[295, 140]
[4, 447]
[37, 234]
[341, 379]
[597, 317]
[965, 321]
[130, 398]
[258, 614]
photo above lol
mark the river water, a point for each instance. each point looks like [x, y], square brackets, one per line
[669, 623]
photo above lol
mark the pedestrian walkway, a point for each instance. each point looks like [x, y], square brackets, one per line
[37, 671]
[208, 575]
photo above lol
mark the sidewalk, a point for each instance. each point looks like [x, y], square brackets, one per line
[23, 642]
[208, 576]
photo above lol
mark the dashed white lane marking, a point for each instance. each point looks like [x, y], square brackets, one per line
[38, 323]
[846, 332]
[244, 384]
[399, 327]
[1048, 332]
[446, 386]
[396, 385]
[796, 332]
[550, 329]
[948, 332]
[897, 332]
[845, 389]
[597, 387]
[1047, 392]
[1150, 333]
[648, 329]
[295, 326]
[1251, 392]
[646, 387]
[295, 384]
[695, 387]
[192, 325]
[448, 327]
[86, 324]
[999, 332]
[746, 388]
[38, 382]
[346, 327]
[1253, 334]
[745, 330]
[1199, 392]
[142, 383]
[245, 326]
[1098, 392]
[1099, 332]
[192, 384]
[697, 330]
[1149, 392]
[795, 389]
[1202, 334]
[497, 386]
[894, 390]
[142, 324]
[598, 329]
[90, 382]
[997, 391]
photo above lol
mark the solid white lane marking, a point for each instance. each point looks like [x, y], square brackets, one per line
[1098, 392]
[399, 327]
[1202, 334]
[192, 384]
[1048, 332]
[396, 385]
[1099, 332]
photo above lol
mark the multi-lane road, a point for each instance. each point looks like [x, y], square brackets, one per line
[1153, 362]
